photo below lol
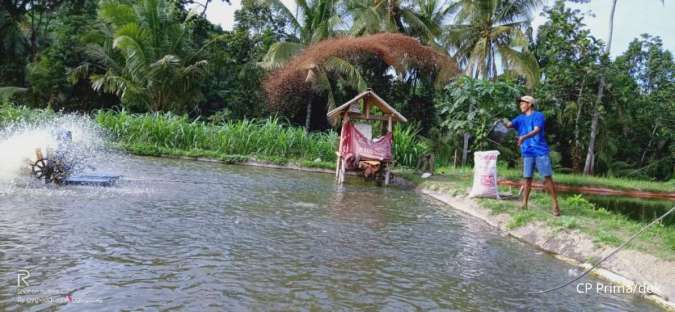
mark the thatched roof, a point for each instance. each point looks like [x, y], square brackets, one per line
[371, 98]
[394, 49]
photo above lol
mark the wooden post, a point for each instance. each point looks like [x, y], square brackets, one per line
[387, 172]
[339, 166]
[454, 162]
[342, 174]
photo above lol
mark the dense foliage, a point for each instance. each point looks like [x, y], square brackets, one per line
[165, 56]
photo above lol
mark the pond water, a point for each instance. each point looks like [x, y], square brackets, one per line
[199, 236]
[642, 210]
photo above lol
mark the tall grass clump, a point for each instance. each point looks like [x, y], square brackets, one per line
[407, 146]
[11, 114]
[268, 137]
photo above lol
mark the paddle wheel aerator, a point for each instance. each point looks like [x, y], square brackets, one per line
[49, 170]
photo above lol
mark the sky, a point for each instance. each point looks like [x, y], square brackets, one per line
[632, 18]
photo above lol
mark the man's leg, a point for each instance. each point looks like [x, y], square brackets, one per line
[550, 187]
[546, 170]
[528, 170]
[526, 192]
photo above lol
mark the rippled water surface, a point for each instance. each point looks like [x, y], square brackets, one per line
[199, 236]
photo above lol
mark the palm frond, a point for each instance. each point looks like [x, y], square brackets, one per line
[280, 7]
[523, 63]
[134, 55]
[7, 93]
[348, 71]
[279, 54]
[116, 13]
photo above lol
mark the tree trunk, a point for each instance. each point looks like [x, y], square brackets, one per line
[33, 37]
[308, 117]
[576, 157]
[590, 156]
[465, 149]
[206, 6]
[649, 144]
[394, 15]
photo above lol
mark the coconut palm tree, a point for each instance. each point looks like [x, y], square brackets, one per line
[146, 57]
[425, 20]
[420, 18]
[314, 20]
[488, 31]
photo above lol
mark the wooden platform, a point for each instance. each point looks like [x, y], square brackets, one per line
[102, 180]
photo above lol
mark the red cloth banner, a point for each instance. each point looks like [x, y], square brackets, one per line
[355, 147]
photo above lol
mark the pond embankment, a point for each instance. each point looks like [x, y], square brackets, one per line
[627, 267]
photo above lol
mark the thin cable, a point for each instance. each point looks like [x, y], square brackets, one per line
[169, 181]
[606, 257]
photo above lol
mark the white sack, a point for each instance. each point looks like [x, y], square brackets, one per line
[485, 174]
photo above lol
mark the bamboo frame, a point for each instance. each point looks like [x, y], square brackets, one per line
[390, 115]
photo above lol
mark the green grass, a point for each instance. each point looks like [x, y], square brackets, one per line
[604, 227]
[564, 223]
[521, 218]
[145, 150]
[10, 114]
[267, 138]
[611, 228]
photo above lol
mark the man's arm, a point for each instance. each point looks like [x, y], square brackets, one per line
[531, 133]
[539, 124]
[528, 135]
[507, 123]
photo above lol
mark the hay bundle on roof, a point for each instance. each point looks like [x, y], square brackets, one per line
[397, 50]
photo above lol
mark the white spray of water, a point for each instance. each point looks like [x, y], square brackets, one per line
[19, 141]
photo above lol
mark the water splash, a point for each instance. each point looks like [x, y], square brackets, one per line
[19, 141]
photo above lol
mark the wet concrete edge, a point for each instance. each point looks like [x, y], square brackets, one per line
[576, 248]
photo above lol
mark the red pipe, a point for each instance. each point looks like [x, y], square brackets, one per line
[595, 190]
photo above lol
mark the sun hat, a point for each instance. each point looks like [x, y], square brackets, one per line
[528, 99]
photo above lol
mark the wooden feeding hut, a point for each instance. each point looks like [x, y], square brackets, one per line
[358, 151]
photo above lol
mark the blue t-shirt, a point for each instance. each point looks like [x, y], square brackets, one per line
[536, 145]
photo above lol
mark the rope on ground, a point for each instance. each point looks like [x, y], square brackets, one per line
[607, 256]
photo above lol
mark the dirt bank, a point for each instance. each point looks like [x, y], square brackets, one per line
[627, 267]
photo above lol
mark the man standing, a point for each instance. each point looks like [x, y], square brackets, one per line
[533, 148]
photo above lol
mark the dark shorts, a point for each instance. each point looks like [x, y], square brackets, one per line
[543, 164]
